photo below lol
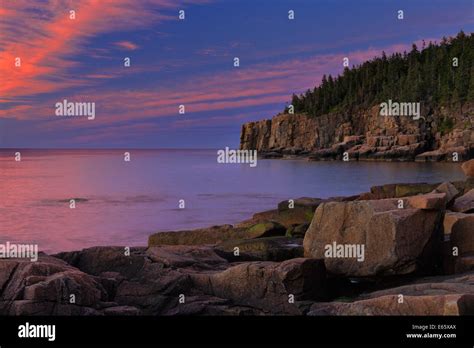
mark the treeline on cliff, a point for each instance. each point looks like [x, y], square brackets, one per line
[430, 75]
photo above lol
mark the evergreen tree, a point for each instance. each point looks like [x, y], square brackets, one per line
[428, 76]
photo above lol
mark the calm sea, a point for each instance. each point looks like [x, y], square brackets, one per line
[123, 202]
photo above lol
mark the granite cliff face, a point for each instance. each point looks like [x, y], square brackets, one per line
[365, 135]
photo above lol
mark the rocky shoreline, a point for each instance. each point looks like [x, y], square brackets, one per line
[415, 256]
[445, 134]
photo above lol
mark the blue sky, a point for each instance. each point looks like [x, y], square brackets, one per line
[187, 62]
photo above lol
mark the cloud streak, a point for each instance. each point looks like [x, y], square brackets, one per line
[237, 89]
[45, 38]
[127, 45]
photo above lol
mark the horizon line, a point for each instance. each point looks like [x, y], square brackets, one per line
[105, 148]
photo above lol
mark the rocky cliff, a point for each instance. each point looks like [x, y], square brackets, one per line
[366, 135]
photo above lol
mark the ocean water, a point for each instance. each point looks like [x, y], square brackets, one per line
[124, 202]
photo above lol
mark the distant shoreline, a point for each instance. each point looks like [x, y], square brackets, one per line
[308, 157]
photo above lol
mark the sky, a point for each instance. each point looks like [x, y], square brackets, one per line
[187, 62]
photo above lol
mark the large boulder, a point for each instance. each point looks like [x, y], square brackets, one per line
[389, 305]
[436, 285]
[302, 202]
[430, 201]
[462, 235]
[405, 190]
[211, 235]
[145, 281]
[452, 295]
[464, 186]
[154, 289]
[398, 190]
[217, 234]
[368, 238]
[292, 212]
[465, 203]
[449, 189]
[286, 217]
[278, 288]
[468, 168]
[182, 256]
[47, 287]
[97, 260]
[451, 218]
[266, 229]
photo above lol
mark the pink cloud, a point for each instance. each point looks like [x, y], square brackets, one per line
[46, 42]
[253, 86]
[126, 45]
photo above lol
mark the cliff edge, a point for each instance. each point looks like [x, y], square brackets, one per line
[444, 134]
[416, 105]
